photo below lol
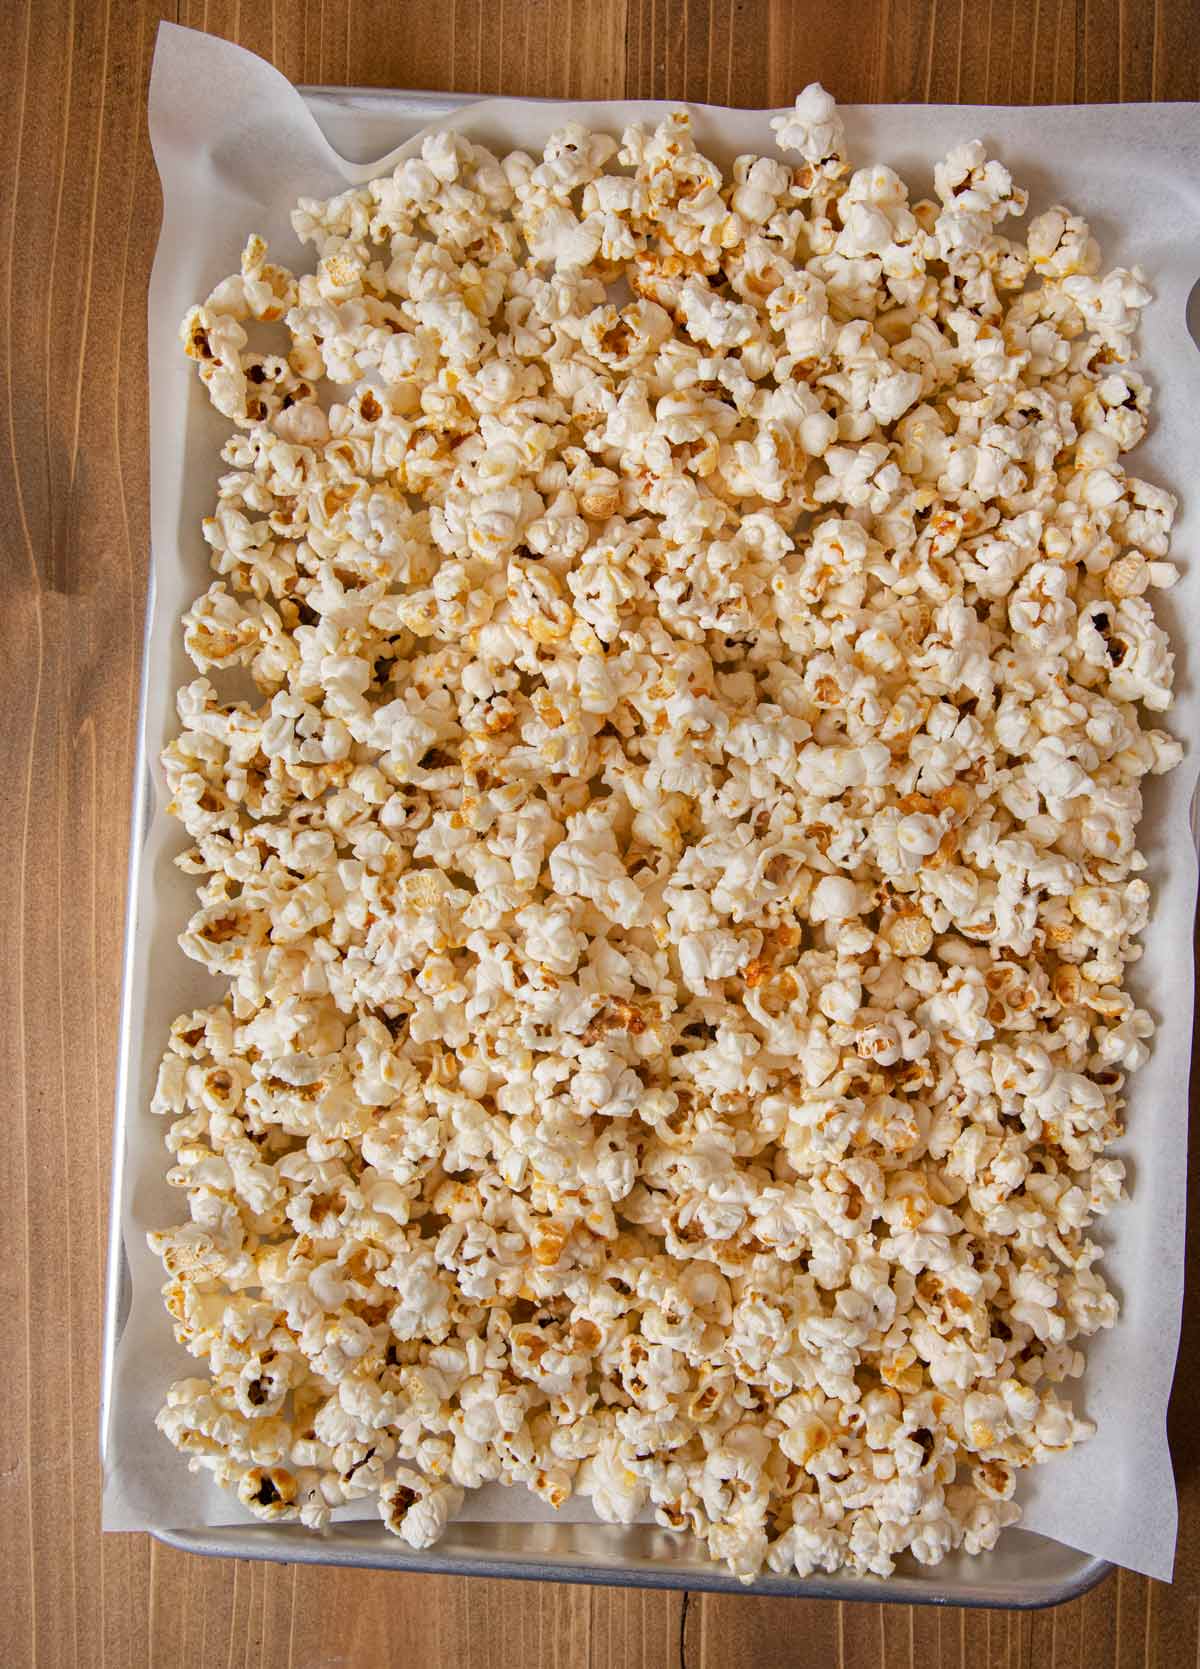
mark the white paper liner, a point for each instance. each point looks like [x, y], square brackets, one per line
[235, 146]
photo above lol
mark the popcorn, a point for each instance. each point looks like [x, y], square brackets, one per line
[813, 127]
[415, 1510]
[663, 789]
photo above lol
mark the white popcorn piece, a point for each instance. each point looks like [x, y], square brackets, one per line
[813, 127]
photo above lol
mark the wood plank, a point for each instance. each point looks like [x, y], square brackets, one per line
[732, 1631]
[630, 1628]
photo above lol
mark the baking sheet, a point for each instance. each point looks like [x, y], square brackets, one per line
[235, 145]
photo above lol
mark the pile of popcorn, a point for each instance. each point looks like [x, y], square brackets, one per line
[662, 784]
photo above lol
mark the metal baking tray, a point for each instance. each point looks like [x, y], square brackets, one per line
[1025, 1571]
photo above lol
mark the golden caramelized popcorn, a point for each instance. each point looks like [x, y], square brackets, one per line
[662, 781]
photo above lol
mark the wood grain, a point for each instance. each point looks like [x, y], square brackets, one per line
[77, 227]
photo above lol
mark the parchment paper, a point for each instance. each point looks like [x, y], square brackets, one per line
[235, 146]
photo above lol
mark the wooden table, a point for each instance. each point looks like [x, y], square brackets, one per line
[80, 213]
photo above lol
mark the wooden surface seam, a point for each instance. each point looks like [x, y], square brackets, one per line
[78, 237]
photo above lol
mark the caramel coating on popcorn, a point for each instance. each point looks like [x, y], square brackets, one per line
[674, 878]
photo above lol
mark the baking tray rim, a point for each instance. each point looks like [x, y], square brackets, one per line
[286, 1544]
